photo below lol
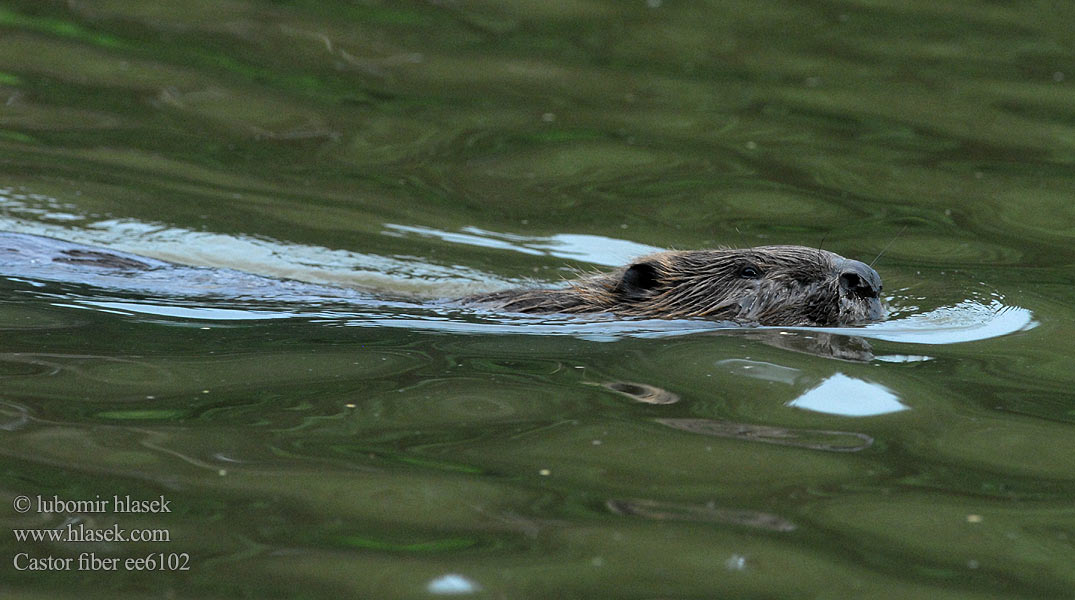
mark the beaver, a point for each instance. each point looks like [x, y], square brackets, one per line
[766, 285]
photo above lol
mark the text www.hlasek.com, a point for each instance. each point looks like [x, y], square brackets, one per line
[81, 533]
[73, 531]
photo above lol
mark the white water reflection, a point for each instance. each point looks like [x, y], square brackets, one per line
[968, 321]
[761, 370]
[903, 358]
[981, 322]
[838, 394]
[186, 312]
[452, 319]
[452, 584]
[595, 249]
[849, 397]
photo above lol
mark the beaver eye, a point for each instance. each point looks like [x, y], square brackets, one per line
[749, 272]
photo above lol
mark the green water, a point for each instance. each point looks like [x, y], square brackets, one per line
[315, 449]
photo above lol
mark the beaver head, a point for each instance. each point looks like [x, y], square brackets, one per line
[767, 285]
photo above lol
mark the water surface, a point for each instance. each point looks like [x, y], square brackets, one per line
[314, 443]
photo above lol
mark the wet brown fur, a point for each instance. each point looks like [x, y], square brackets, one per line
[793, 285]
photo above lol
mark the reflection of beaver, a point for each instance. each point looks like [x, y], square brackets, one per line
[767, 285]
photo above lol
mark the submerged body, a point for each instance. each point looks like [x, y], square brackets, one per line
[767, 285]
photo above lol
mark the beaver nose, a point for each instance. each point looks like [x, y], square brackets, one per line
[858, 278]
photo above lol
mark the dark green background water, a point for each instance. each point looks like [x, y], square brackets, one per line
[342, 454]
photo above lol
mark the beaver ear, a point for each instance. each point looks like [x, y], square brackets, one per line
[637, 279]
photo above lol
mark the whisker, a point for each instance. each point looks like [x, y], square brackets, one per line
[883, 250]
[819, 247]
